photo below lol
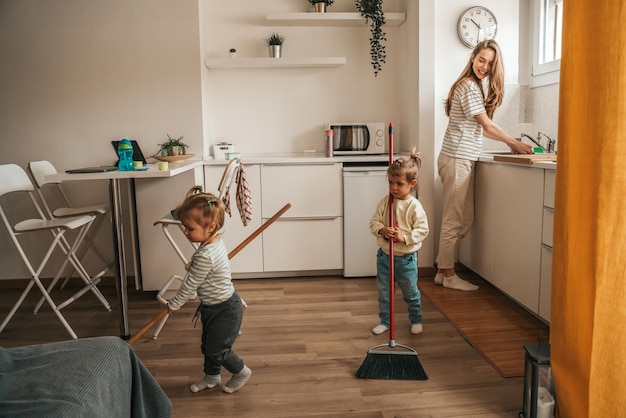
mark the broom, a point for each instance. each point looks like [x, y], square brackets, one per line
[245, 242]
[391, 361]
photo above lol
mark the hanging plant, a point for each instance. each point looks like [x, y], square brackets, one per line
[372, 11]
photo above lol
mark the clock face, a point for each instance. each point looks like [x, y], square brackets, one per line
[475, 25]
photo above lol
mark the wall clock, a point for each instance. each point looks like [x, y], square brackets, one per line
[475, 25]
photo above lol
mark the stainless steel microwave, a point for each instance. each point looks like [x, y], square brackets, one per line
[359, 138]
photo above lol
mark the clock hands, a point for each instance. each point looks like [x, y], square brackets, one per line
[481, 33]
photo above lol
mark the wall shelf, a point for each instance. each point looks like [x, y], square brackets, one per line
[283, 62]
[329, 19]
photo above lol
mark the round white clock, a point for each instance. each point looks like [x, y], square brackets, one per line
[475, 25]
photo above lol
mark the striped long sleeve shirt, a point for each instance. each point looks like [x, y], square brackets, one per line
[464, 135]
[209, 276]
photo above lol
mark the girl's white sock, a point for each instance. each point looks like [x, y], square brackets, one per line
[207, 382]
[238, 380]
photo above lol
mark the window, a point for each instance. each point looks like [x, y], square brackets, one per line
[548, 17]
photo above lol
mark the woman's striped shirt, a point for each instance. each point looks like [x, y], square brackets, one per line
[464, 135]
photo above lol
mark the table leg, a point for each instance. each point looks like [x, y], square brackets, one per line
[118, 243]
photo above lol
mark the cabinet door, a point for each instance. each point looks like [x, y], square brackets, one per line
[518, 195]
[545, 293]
[250, 258]
[156, 197]
[312, 189]
[303, 244]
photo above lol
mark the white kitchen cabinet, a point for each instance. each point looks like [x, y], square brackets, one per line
[503, 247]
[309, 236]
[155, 198]
[545, 293]
[545, 289]
[250, 258]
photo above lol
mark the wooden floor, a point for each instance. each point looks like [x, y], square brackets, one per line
[304, 339]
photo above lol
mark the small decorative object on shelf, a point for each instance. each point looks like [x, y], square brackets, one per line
[274, 44]
[232, 52]
[321, 5]
[372, 11]
[173, 146]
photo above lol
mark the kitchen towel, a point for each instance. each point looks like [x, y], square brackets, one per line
[243, 196]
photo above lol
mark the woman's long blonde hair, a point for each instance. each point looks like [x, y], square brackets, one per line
[495, 91]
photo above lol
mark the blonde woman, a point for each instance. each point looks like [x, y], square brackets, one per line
[471, 103]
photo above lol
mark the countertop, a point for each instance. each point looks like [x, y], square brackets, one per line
[487, 157]
[302, 158]
[320, 158]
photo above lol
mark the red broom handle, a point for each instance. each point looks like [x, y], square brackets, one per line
[392, 326]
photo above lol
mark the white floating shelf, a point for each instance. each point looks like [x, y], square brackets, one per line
[329, 19]
[283, 62]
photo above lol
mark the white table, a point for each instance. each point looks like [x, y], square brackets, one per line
[115, 178]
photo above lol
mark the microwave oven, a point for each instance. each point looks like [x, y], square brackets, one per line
[359, 138]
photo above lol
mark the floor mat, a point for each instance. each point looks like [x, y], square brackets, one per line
[493, 324]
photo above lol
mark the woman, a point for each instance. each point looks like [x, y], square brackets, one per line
[471, 103]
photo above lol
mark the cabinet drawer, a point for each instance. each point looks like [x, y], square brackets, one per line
[548, 226]
[312, 189]
[548, 188]
[303, 244]
[250, 258]
[545, 288]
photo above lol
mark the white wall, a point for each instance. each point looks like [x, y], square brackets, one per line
[77, 74]
[84, 72]
[286, 110]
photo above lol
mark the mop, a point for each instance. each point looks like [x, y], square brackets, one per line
[240, 247]
[391, 361]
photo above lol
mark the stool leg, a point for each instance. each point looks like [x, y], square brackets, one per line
[160, 327]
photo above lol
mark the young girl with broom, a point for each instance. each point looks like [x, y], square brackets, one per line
[221, 309]
[410, 229]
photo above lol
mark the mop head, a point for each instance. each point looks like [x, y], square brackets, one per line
[391, 364]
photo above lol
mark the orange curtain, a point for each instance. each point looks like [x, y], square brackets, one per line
[588, 331]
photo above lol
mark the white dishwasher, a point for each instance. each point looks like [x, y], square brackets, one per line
[363, 187]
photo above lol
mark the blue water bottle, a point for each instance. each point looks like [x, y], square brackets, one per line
[125, 153]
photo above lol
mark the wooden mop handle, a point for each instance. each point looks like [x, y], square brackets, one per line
[259, 230]
[392, 327]
[247, 241]
[146, 327]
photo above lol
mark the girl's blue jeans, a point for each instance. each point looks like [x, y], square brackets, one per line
[405, 275]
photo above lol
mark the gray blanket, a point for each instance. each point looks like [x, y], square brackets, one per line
[90, 377]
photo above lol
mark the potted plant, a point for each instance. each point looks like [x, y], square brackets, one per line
[372, 11]
[173, 146]
[321, 5]
[274, 43]
[232, 52]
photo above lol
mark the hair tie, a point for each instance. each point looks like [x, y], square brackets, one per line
[209, 201]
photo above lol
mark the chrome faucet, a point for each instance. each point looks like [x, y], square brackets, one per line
[551, 141]
[533, 140]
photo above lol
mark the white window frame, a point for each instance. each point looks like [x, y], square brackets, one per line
[542, 73]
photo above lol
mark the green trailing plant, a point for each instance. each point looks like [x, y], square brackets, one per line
[274, 39]
[167, 145]
[372, 11]
[328, 2]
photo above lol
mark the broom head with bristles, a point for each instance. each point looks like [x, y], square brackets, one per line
[393, 362]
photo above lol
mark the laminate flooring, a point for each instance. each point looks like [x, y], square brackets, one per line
[303, 338]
